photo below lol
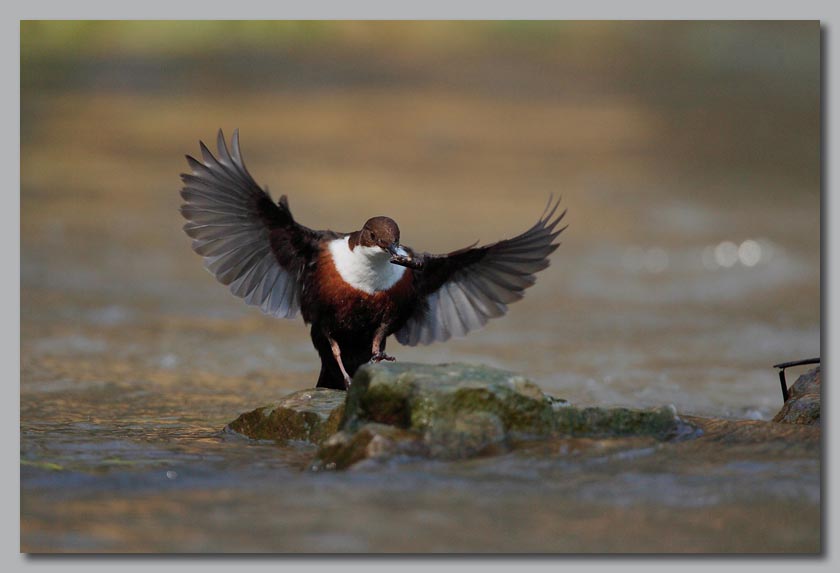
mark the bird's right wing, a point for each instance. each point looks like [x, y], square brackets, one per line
[248, 241]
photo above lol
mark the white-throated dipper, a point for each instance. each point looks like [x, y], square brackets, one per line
[354, 289]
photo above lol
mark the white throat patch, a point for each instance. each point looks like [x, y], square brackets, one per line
[367, 269]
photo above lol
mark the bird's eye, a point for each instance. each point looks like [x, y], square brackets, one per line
[373, 235]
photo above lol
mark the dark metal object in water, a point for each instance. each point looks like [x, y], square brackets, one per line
[781, 366]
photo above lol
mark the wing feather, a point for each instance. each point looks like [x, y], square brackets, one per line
[459, 292]
[248, 242]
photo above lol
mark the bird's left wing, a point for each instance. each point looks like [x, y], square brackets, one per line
[462, 290]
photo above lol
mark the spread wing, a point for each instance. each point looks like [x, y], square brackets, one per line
[248, 242]
[462, 290]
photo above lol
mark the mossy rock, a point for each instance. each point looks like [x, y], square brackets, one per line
[662, 423]
[458, 411]
[468, 435]
[368, 442]
[310, 415]
[432, 398]
[444, 411]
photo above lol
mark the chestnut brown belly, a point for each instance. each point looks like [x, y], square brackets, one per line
[343, 310]
[361, 314]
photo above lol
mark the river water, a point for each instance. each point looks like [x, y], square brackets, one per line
[690, 266]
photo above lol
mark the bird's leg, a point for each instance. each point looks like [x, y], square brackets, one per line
[337, 354]
[376, 354]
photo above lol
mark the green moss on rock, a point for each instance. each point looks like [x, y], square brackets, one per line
[368, 442]
[468, 435]
[420, 397]
[607, 422]
[309, 415]
[444, 411]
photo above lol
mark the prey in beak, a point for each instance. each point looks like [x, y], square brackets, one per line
[396, 250]
[399, 256]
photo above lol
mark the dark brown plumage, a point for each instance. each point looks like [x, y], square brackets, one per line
[354, 289]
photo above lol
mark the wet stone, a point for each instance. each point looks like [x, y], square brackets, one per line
[761, 436]
[309, 415]
[431, 398]
[804, 404]
[458, 411]
[445, 412]
[662, 423]
[469, 435]
[368, 442]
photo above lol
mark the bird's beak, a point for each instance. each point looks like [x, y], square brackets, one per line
[396, 250]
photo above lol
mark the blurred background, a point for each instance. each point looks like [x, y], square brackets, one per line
[687, 154]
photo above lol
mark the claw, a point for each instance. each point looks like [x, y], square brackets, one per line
[380, 356]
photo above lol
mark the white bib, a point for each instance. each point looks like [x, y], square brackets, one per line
[367, 269]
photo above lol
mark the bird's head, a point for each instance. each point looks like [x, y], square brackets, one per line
[381, 236]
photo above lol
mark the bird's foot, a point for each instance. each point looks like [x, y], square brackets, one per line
[347, 382]
[380, 356]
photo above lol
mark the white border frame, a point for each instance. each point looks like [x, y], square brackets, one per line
[12, 560]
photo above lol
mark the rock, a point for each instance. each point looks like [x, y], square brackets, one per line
[369, 442]
[432, 398]
[457, 411]
[793, 439]
[808, 383]
[804, 410]
[310, 415]
[445, 411]
[803, 406]
[468, 435]
[617, 422]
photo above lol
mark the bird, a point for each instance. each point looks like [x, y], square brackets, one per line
[355, 289]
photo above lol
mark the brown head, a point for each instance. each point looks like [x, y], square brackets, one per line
[381, 232]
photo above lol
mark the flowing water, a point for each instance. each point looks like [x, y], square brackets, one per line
[690, 266]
